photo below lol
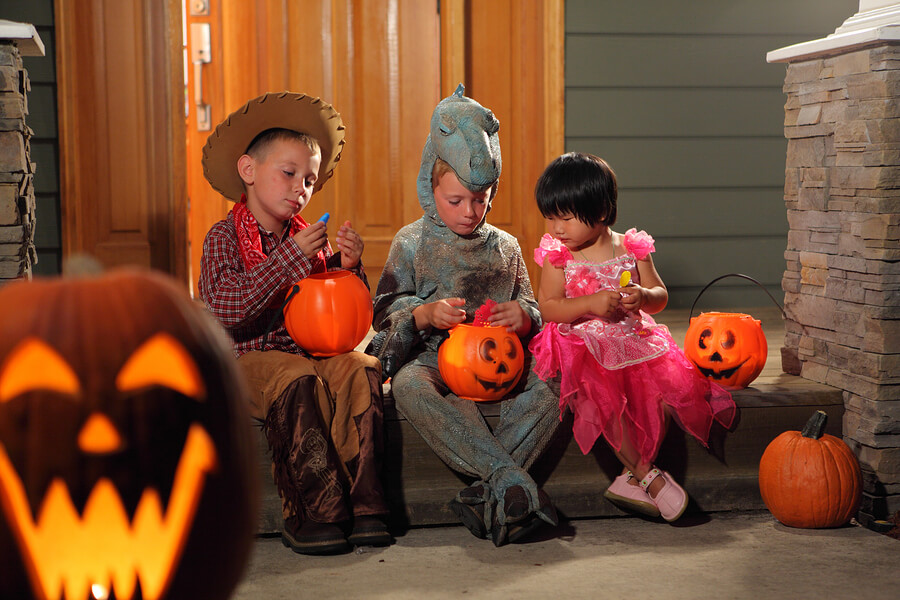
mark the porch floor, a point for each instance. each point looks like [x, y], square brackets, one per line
[727, 545]
[743, 555]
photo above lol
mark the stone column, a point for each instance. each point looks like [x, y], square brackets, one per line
[842, 191]
[17, 253]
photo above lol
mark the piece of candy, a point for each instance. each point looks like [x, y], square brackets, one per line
[324, 218]
[625, 279]
[483, 314]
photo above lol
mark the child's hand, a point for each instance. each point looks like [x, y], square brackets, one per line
[512, 316]
[605, 302]
[632, 297]
[312, 239]
[350, 244]
[443, 314]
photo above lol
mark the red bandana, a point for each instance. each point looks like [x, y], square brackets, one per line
[249, 241]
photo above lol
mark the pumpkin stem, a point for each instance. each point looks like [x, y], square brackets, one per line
[816, 425]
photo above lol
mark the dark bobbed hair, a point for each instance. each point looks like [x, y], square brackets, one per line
[581, 184]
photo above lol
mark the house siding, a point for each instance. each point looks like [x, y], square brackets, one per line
[678, 97]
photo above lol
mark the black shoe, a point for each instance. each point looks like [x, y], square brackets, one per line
[521, 529]
[469, 508]
[515, 504]
[370, 531]
[313, 538]
[546, 510]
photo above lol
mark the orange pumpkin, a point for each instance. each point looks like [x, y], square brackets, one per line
[481, 363]
[728, 348]
[330, 314]
[809, 479]
[125, 449]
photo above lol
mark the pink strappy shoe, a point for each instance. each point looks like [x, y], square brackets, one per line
[671, 500]
[630, 497]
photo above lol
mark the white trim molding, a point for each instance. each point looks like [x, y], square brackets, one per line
[24, 35]
[877, 22]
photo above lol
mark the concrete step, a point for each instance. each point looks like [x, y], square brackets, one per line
[724, 477]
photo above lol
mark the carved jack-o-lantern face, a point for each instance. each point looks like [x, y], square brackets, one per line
[728, 348]
[481, 363]
[122, 442]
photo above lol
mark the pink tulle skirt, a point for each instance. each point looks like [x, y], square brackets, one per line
[631, 400]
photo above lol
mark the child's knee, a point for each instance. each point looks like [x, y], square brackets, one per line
[410, 389]
[358, 361]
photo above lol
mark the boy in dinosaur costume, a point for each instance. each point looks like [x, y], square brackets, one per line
[439, 270]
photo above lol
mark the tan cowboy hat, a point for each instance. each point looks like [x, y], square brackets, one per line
[284, 110]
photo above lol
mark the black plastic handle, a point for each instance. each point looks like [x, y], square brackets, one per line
[741, 275]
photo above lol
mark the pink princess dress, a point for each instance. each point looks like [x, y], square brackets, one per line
[619, 373]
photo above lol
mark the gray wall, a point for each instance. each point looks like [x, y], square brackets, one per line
[41, 119]
[678, 97]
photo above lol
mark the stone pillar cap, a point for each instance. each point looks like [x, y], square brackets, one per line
[877, 22]
[24, 35]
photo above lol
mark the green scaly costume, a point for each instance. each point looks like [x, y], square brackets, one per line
[429, 262]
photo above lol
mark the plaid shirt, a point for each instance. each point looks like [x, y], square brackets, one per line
[247, 302]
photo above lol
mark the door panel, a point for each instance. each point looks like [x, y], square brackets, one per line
[518, 75]
[122, 182]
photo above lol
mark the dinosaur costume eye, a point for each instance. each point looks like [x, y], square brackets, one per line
[448, 125]
[123, 443]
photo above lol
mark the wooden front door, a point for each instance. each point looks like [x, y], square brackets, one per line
[376, 61]
[384, 65]
[132, 189]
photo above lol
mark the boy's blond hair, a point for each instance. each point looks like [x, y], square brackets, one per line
[442, 167]
[260, 145]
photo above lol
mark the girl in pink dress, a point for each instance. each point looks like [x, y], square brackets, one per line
[622, 374]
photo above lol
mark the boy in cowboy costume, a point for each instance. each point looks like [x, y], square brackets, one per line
[322, 416]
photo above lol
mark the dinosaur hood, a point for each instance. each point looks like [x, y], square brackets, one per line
[463, 134]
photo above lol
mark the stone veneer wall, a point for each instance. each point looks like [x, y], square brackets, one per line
[17, 252]
[842, 283]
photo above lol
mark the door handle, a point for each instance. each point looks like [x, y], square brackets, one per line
[200, 55]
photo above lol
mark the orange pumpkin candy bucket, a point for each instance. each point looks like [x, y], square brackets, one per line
[329, 313]
[728, 348]
[481, 362]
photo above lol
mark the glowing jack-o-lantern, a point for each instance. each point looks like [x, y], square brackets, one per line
[125, 456]
[728, 348]
[330, 314]
[481, 363]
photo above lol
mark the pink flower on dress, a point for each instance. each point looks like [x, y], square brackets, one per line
[639, 243]
[583, 282]
[552, 249]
